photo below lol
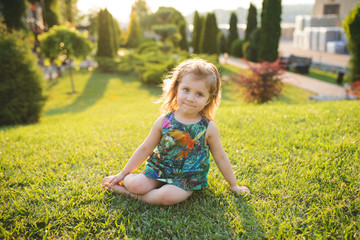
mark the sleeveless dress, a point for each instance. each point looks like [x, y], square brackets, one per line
[182, 157]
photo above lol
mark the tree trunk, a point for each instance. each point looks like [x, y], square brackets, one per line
[71, 77]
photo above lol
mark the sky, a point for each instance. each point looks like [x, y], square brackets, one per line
[121, 9]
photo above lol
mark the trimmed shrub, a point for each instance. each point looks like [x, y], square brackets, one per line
[236, 48]
[263, 84]
[21, 91]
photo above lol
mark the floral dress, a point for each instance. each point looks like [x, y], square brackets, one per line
[182, 157]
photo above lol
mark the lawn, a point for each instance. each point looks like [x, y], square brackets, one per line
[300, 159]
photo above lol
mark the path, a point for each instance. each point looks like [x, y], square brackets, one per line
[325, 90]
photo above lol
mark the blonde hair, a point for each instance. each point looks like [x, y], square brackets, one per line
[200, 68]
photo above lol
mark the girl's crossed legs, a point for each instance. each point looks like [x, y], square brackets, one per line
[149, 190]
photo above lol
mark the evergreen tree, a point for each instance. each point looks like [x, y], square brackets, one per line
[196, 33]
[270, 30]
[252, 46]
[50, 14]
[142, 11]
[105, 35]
[21, 82]
[134, 32]
[352, 29]
[183, 42]
[116, 34]
[233, 31]
[13, 12]
[251, 21]
[209, 36]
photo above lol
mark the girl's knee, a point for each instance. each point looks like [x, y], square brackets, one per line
[135, 184]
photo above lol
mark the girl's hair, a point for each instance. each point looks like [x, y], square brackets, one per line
[201, 69]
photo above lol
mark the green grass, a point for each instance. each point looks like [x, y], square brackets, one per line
[300, 159]
[321, 75]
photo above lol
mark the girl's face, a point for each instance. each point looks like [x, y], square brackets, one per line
[192, 95]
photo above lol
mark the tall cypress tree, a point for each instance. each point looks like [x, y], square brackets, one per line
[134, 32]
[352, 29]
[233, 31]
[209, 36]
[196, 32]
[251, 21]
[105, 39]
[183, 42]
[270, 30]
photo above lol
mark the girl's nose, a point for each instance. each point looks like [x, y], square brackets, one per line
[190, 97]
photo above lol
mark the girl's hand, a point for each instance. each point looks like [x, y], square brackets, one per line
[239, 190]
[113, 180]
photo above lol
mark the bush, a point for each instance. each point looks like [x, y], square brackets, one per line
[21, 91]
[263, 84]
[236, 48]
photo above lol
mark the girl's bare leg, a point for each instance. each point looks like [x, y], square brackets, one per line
[147, 189]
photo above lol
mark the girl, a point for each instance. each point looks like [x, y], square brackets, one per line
[177, 148]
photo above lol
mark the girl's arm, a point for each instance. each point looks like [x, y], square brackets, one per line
[141, 153]
[221, 159]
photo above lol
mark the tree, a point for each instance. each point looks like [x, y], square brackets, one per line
[64, 43]
[270, 30]
[105, 35]
[233, 31]
[251, 47]
[183, 42]
[209, 36]
[21, 90]
[51, 15]
[13, 12]
[251, 21]
[352, 29]
[142, 11]
[196, 32]
[134, 32]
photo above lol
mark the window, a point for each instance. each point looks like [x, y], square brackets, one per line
[331, 9]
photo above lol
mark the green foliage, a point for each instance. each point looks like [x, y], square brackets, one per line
[301, 162]
[13, 12]
[51, 13]
[270, 30]
[134, 32]
[233, 30]
[236, 48]
[142, 11]
[64, 43]
[263, 84]
[209, 37]
[183, 44]
[196, 37]
[165, 31]
[351, 26]
[251, 21]
[250, 49]
[106, 40]
[21, 94]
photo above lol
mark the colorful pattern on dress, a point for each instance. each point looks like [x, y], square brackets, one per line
[182, 157]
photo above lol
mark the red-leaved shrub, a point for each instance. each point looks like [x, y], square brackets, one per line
[263, 84]
[355, 88]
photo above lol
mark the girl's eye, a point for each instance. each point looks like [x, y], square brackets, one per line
[199, 94]
[186, 89]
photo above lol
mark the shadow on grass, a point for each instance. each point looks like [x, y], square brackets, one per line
[202, 216]
[93, 91]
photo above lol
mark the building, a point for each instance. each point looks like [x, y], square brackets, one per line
[338, 8]
[323, 30]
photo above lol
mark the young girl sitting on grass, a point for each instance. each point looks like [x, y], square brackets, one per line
[177, 148]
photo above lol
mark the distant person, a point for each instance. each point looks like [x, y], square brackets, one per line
[179, 145]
